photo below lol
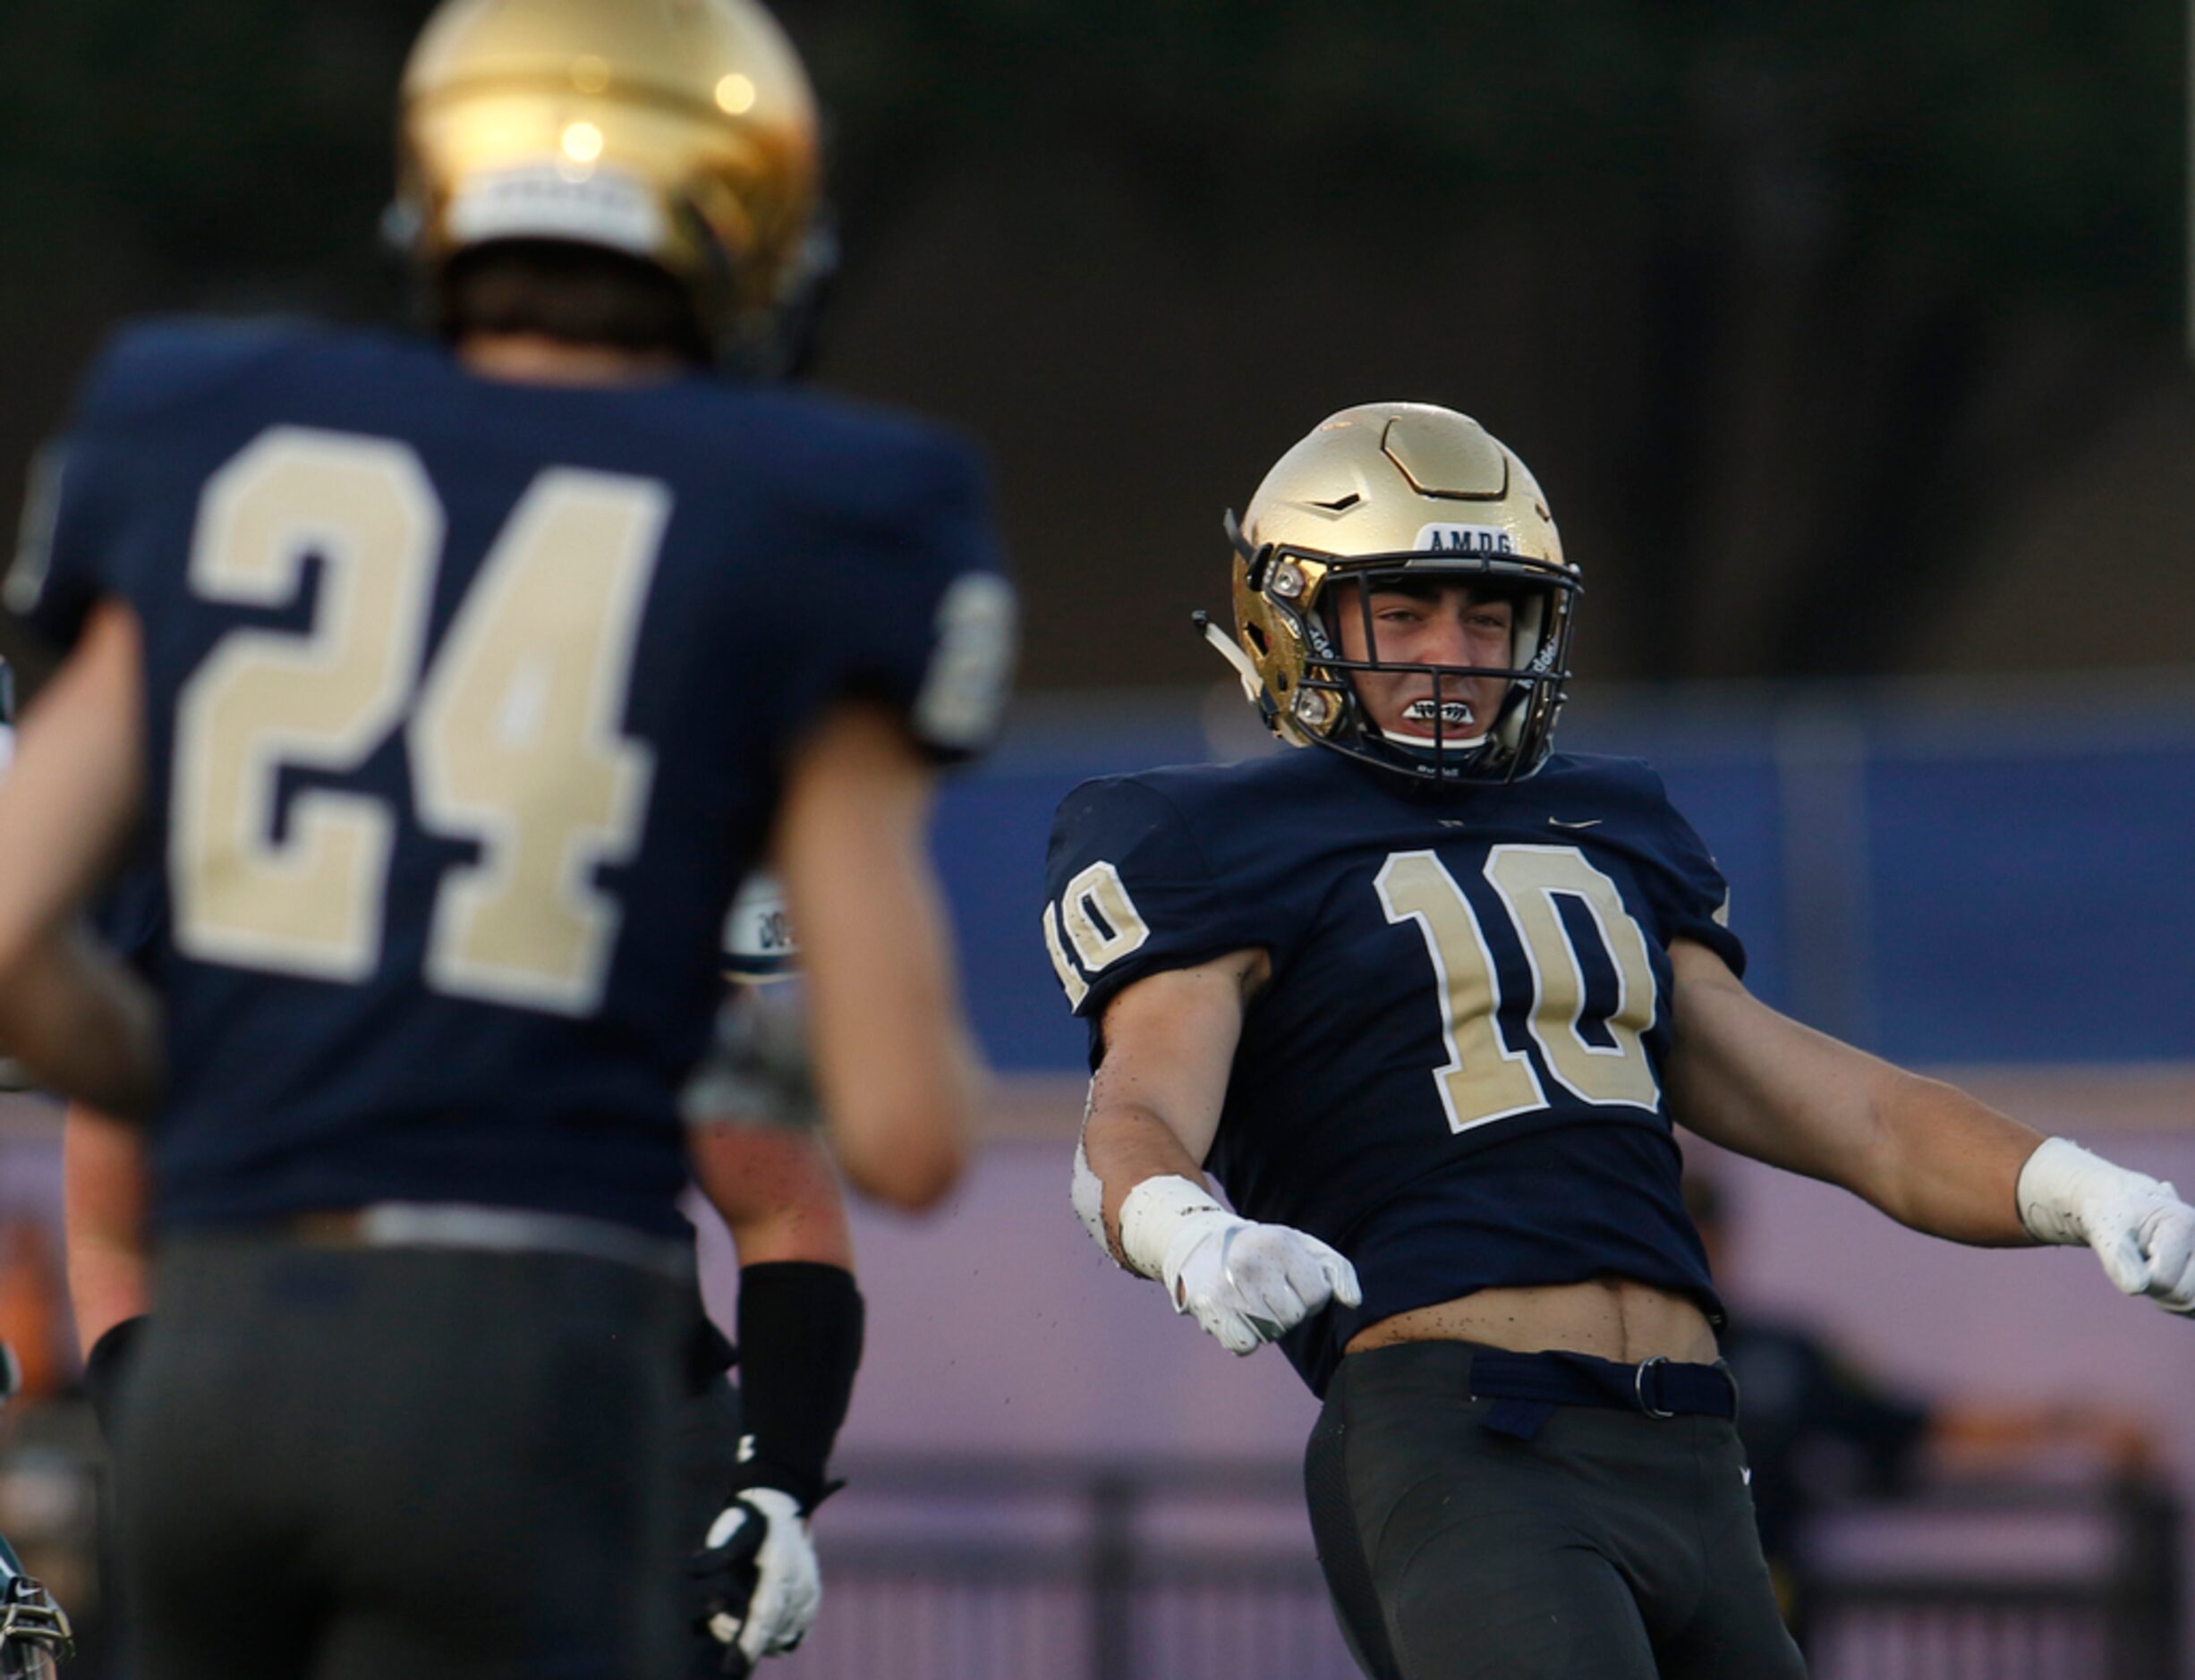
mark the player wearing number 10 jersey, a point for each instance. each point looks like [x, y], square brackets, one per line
[1403, 1130]
[454, 683]
[1426, 1003]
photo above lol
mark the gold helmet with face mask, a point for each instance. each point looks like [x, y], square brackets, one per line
[1386, 492]
[682, 132]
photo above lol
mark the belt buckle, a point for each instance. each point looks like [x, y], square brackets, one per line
[1638, 1386]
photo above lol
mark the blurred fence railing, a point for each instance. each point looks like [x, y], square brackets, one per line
[995, 1568]
[1002, 1570]
[1995, 1583]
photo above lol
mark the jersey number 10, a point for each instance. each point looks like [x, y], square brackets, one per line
[512, 734]
[1484, 1080]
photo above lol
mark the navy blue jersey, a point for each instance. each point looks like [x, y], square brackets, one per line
[1453, 1075]
[468, 702]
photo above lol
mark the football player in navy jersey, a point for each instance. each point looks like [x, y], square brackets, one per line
[1425, 1002]
[452, 684]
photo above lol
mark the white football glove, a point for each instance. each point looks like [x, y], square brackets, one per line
[760, 1544]
[1246, 1283]
[2140, 1228]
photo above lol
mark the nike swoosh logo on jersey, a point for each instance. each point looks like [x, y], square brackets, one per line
[1590, 822]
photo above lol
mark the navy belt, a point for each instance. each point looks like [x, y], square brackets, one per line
[1526, 1388]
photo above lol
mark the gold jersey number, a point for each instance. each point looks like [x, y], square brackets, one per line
[1102, 922]
[1484, 1080]
[513, 739]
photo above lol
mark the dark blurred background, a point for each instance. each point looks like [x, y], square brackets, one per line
[1845, 336]
[1848, 340]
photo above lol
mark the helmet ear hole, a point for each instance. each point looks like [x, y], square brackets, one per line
[1257, 639]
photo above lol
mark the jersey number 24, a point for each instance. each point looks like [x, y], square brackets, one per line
[512, 734]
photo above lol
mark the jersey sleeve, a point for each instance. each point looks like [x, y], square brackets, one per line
[56, 578]
[1694, 899]
[911, 582]
[1129, 893]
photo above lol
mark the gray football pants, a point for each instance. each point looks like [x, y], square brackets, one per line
[1613, 1546]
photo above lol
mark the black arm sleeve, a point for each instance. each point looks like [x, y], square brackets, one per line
[800, 1333]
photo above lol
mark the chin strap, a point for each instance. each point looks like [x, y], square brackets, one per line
[1231, 651]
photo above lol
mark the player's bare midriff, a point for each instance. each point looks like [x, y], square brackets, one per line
[1610, 1318]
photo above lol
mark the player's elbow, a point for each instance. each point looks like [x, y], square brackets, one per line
[909, 1146]
[912, 1167]
[913, 1182]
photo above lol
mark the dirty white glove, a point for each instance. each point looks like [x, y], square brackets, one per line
[1246, 1283]
[2140, 1228]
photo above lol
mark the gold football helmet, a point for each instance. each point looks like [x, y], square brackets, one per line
[680, 131]
[1390, 490]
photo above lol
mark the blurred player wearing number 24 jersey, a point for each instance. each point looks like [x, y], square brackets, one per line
[1425, 1002]
[454, 686]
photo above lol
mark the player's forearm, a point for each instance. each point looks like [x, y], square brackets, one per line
[800, 1344]
[103, 1181]
[1246, 1282]
[1954, 1167]
[1158, 1093]
[1926, 1153]
[107, 1284]
[776, 1193]
[902, 1127]
[82, 1024]
[1947, 1163]
[1123, 1145]
[898, 1072]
